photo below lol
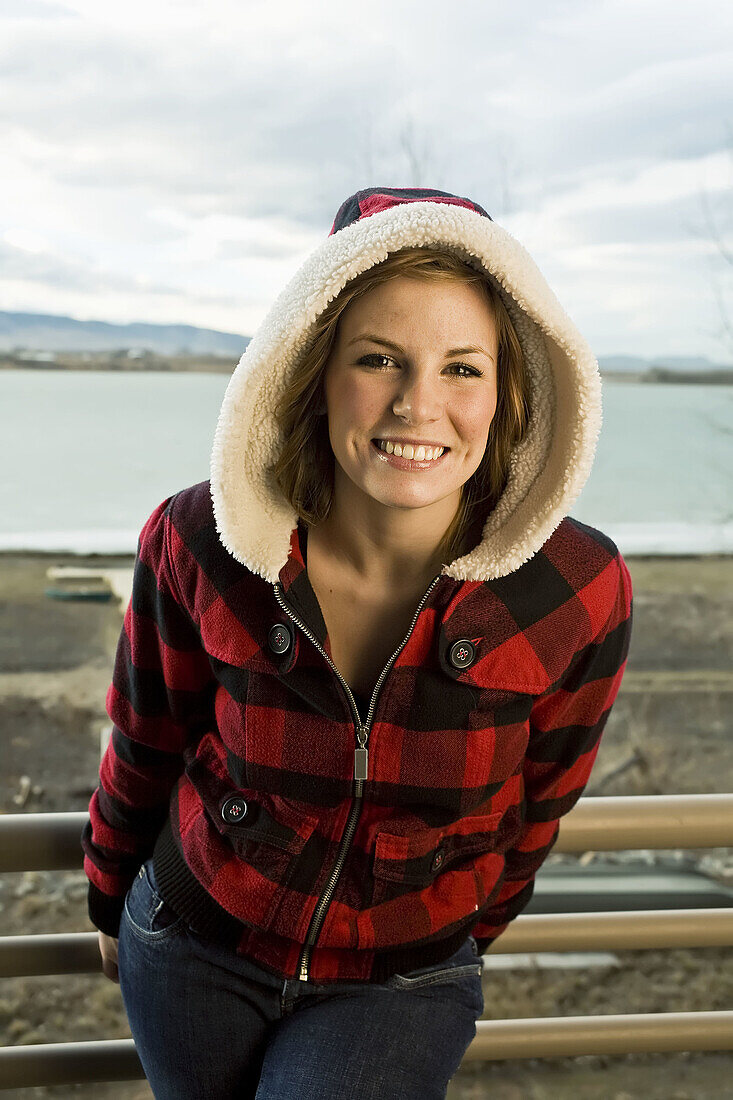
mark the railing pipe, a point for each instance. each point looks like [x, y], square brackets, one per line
[69, 1063]
[636, 1033]
[648, 821]
[549, 1037]
[638, 930]
[47, 841]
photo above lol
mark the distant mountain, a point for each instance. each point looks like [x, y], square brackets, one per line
[48, 332]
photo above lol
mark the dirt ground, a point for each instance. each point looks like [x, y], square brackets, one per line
[669, 732]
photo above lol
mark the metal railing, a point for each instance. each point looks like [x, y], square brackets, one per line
[52, 842]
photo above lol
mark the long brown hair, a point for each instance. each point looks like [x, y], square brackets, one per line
[304, 470]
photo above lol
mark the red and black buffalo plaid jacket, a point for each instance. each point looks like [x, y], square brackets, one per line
[236, 756]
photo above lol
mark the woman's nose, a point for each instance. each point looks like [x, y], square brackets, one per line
[418, 398]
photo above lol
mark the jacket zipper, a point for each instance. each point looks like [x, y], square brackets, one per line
[361, 765]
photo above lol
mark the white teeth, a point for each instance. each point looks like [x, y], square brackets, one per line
[420, 454]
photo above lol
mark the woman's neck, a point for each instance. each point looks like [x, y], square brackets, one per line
[377, 559]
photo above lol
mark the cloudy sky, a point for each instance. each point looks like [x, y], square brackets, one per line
[176, 162]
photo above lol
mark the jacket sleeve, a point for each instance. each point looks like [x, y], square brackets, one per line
[160, 699]
[564, 737]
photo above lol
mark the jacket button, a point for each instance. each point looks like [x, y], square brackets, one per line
[279, 638]
[234, 810]
[461, 654]
[437, 861]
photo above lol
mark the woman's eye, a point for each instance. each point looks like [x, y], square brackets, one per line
[370, 358]
[472, 371]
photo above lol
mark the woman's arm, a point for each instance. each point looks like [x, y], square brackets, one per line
[160, 699]
[565, 732]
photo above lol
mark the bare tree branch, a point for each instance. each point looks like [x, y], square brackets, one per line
[422, 173]
[713, 234]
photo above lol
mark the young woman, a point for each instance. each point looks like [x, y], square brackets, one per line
[364, 671]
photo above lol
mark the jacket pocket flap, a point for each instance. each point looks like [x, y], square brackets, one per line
[271, 820]
[417, 858]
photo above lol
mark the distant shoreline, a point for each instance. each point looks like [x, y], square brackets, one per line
[122, 559]
[209, 364]
[664, 374]
[216, 364]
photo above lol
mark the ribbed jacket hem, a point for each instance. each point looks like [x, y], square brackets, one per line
[185, 894]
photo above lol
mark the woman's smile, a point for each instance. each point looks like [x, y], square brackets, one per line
[400, 462]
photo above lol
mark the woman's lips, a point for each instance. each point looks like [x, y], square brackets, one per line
[408, 463]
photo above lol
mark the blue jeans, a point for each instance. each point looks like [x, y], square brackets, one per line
[211, 1025]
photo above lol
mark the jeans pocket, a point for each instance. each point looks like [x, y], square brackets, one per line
[150, 917]
[462, 966]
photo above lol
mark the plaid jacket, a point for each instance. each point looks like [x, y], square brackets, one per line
[233, 757]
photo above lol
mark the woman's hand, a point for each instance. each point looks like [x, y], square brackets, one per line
[108, 951]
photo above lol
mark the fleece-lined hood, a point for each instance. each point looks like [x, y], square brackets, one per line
[548, 469]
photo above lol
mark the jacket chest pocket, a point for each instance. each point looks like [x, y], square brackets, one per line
[434, 857]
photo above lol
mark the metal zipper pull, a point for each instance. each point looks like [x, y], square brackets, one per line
[361, 763]
[361, 754]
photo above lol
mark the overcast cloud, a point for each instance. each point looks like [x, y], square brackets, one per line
[175, 162]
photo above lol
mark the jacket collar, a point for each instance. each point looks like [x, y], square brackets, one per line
[296, 587]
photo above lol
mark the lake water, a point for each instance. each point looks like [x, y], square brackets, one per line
[88, 455]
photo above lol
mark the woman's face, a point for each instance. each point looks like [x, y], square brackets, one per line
[394, 374]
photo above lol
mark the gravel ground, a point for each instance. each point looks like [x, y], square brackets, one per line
[669, 732]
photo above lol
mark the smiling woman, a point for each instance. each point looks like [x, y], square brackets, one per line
[356, 689]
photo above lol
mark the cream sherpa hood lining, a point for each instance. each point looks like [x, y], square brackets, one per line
[547, 470]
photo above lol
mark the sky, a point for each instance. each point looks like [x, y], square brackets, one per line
[177, 162]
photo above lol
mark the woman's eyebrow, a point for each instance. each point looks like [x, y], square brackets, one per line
[396, 347]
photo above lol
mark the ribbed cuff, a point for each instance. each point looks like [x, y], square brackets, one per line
[105, 912]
